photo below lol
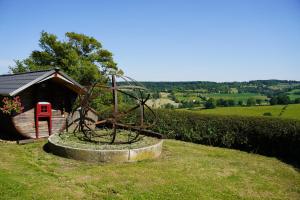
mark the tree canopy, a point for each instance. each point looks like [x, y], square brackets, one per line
[80, 56]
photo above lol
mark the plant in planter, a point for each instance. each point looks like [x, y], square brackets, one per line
[11, 105]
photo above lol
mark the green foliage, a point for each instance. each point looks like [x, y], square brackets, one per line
[267, 114]
[169, 106]
[258, 101]
[251, 102]
[269, 136]
[282, 99]
[210, 103]
[225, 102]
[80, 56]
[274, 101]
[155, 95]
[263, 87]
[297, 100]
[240, 103]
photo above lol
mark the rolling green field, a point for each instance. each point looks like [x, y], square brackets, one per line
[158, 103]
[235, 96]
[184, 171]
[292, 111]
[294, 94]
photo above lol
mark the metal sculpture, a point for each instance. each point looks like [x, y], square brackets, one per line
[130, 88]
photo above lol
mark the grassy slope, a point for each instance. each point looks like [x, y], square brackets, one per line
[294, 94]
[184, 171]
[237, 97]
[292, 111]
[160, 102]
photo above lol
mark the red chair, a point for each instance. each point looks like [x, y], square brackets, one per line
[43, 111]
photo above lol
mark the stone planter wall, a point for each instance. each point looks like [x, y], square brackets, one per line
[91, 155]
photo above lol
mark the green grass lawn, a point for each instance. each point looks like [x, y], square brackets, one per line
[292, 111]
[184, 171]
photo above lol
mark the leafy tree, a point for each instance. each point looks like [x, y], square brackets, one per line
[283, 99]
[220, 102]
[169, 106]
[251, 101]
[297, 100]
[274, 101]
[172, 96]
[210, 103]
[231, 102]
[241, 103]
[186, 104]
[155, 95]
[80, 56]
[225, 103]
[258, 101]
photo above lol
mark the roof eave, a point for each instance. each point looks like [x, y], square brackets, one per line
[81, 89]
[17, 91]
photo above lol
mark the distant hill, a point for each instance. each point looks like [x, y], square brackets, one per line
[267, 87]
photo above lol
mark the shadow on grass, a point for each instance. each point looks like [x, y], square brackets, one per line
[46, 148]
[10, 137]
[293, 163]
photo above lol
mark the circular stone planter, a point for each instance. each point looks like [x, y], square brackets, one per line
[92, 155]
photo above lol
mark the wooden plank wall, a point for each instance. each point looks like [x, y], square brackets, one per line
[58, 95]
[25, 123]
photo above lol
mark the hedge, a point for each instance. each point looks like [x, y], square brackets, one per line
[269, 136]
[263, 135]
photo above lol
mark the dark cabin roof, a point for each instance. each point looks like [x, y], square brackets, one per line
[12, 84]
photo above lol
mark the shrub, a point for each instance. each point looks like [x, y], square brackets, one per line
[282, 99]
[210, 103]
[267, 114]
[240, 103]
[268, 136]
[251, 102]
[297, 100]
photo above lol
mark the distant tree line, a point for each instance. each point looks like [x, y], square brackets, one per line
[283, 99]
[257, 86]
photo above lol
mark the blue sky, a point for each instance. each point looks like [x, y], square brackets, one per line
[167, 40]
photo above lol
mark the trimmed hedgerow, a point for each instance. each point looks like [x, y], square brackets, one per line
[264, 135]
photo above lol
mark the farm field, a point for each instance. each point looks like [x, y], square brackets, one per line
[160, 102]
[294, 94]
[235, 96]
[292, 111]
[184, 171]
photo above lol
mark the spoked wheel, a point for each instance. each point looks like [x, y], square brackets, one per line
[119, 120]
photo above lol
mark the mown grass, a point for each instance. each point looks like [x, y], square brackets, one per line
[292, 111]
[184, 171]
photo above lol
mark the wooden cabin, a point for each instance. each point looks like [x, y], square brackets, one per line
[37, 88]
